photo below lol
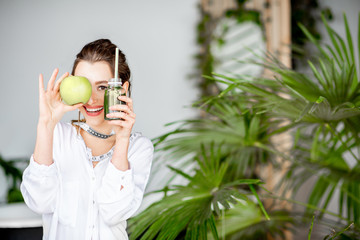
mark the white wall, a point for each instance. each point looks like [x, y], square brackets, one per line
[37, 36]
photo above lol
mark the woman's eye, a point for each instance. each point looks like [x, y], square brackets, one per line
[102, 88]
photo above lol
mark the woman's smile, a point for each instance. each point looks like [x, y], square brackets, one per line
[93, 111]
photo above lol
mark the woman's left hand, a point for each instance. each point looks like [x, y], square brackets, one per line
[123, 127]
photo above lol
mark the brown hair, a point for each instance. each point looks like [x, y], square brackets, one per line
[104, 50]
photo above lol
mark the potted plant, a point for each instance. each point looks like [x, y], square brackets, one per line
[13, 174]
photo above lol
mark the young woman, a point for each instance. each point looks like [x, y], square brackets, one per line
[87, 178]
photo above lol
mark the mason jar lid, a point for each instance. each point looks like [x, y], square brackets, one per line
[116, 81]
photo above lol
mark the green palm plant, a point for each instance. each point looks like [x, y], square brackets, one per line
[229, 123]
[189, 211]
[321, 111]
[324, 110]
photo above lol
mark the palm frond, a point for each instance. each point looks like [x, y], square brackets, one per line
[192, 208]
[228, 124]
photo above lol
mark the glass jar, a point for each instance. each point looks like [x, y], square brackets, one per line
[112, 93]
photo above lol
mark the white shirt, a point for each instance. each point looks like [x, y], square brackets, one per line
[78, 201]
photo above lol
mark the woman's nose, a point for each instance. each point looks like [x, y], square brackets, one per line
[92, 99]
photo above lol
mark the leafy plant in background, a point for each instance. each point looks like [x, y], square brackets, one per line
[14, 175]
[325, 111]
[219, 197]
[190, 210]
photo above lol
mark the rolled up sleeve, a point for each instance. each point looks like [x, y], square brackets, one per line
[39, 187]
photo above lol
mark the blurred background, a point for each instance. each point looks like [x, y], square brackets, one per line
[161, 41]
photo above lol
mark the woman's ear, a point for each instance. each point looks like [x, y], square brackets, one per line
[126, 87]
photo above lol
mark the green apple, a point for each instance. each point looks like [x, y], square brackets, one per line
[75, 89]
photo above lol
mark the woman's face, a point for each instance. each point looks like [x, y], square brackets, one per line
[98, 74]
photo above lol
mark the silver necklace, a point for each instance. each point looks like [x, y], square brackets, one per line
[91, 131]
[101, 157]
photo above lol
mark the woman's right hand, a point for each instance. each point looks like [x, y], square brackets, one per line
[51, 106]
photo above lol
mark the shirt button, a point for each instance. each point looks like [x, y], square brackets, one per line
[93, 178]
[93, 201]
